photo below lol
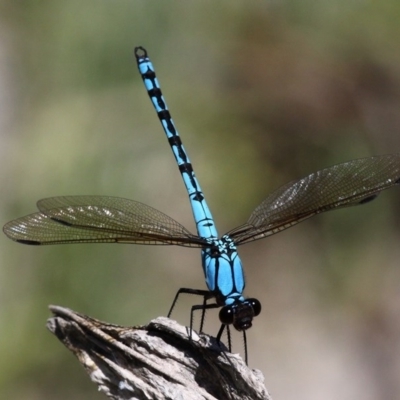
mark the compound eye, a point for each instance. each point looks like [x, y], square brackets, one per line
[226, 315]
[256, 305]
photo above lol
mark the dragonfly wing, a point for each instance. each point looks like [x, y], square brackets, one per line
[83, 219]
[343, 185]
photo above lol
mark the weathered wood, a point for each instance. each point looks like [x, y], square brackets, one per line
[156, 361]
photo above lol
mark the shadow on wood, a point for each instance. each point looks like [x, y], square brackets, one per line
[156, 361]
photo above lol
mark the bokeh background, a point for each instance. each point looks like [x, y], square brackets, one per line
[262, 93]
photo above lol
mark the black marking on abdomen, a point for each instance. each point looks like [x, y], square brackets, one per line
[156, 92]
[186, 168]
[164, 115]
[175, 141]
[198, 196]
[149, 74]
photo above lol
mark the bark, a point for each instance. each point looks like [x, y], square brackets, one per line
[157, 361]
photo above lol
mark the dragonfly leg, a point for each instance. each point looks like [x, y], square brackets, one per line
[245, 347]
[206, 294]
[203, 307]
[221, 331]
[228, 334]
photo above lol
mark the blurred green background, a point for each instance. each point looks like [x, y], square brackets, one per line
[262, 93]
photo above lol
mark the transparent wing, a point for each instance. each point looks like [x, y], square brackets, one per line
[343, 185]
[82, 219]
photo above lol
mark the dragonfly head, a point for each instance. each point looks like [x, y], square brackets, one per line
[240, 314]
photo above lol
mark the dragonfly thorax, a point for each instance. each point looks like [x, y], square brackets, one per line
[223, 270]
[224, 245]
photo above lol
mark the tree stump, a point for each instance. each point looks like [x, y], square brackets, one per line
[157, 361]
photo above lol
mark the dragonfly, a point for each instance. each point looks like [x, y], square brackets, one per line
[103, 219]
